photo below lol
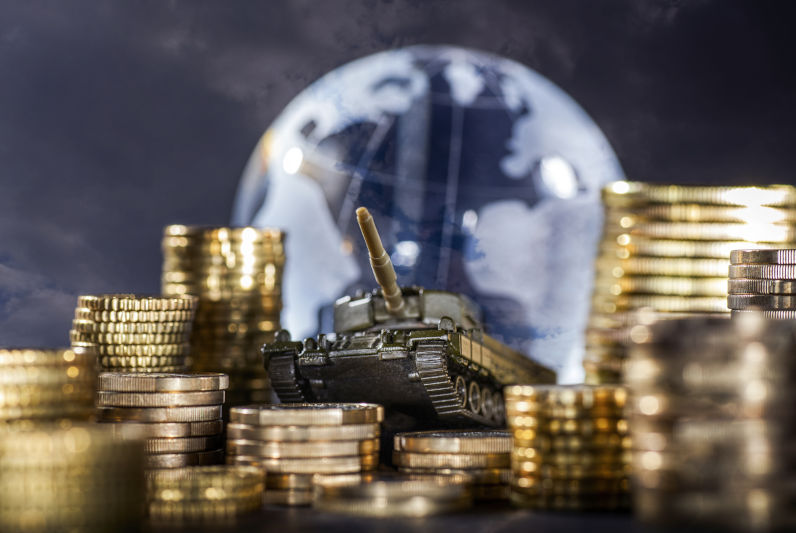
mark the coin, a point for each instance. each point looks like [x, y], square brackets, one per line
[481, 476]
[778, 315]
[125, 382]
[710, 231]
[158, 399]
[168, 429]
[177, 460]
[581, 458]
[758, 271]
[161, 414]
[156, 363]
[83, 313]
[277, 450]
[316, 465]
[675, 304]
[454, 441]
[570, 487]
[525, 398]
[570, 471]
[682, 286]
[128, 338]
[141, 350]
[576, 443]
[192, 483]
[665, 266]
[131, 328]
[646, 246]
[303, 433]
[449, 460]
[308, 414]
[777, 257]
[132, 302]
[762, 286]
[629, 193]
[82, 356]
[692, 212]
[182, 444]
[573, 426]
[765, 301]
[293, 497]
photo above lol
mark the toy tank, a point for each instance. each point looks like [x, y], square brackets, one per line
[419, 352]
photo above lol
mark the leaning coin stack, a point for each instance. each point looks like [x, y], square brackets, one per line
[667, 247]
[763, 280]
[479, 458]
[179, 415]
[47, 384]
[571, 450]
[237, 275]
[134, 333]
[204, 495]
[712, 423]
[291, 442]
[75, 478]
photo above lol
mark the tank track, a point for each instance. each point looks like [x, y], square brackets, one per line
[284, 380]
[440, 381]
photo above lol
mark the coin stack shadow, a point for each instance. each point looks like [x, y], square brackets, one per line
[667, 248]
[479, 458]
[763, 280]
[204, 495]
[134, 333]
[178, 415]
[47, 385]
[292, 442]
[571, 449]
[237, 275]
[712, 423]
[66, 477]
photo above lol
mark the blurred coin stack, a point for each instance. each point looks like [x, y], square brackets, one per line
[291, 442]
[237, 275]
[47, 385]
[74, 478]
[135, 333]
[763, 280]
[178, 415]
[389, 496]
[479, 458]
[712, 423]
[204, 495]
[667, 248]
[571, 449]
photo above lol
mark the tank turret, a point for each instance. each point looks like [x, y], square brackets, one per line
[420, 352]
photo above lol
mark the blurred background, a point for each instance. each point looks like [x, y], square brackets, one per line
[121, 117]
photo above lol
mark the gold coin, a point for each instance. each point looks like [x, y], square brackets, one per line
[192, 483]
[530, 485]
[132, 328]
[316, 465]
[706, 213]
[663, 266]
[572, 426]
[291, 481]
[128, 338]
[305, 450]
[629, 193]
[79, 410]
[525, 398]
[523, 454]
[454, 441]
[34, 396]
[663, 285]
[44, 377]
[673, 304]
[155, 363]
[570, 471]
[576, 443]
[709, 231]
[138, 350]
[182, 444]
[79, 356]
[292, 497]
[202, 512]
[161, 414]
[178, 460]
[222, 233]
[132, 302]
[125, 382]
[308, 414]
[83, 313]
[481, 476]
[143, 430]
[776, 257]
[625, 245]
[758, 271]
[303, 433]
[158, 399]
[450, 460]
[762, 301]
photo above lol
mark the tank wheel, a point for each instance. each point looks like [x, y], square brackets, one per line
[499, 410]
[487, 403]
[474, 397]
[461, 391]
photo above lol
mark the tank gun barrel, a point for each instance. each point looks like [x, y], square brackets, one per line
[380, 262]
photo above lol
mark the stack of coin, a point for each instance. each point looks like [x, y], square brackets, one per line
[667, 247]
[47, 384]
[479, 458]
[135, 333]
[179, 415]
[70, 478]
[712, 423]
[294, 441]
[386, 496]
[763, 280]
[201, 495]
[237, 275]
[571, 450]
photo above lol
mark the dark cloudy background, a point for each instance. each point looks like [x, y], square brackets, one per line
[118, 117]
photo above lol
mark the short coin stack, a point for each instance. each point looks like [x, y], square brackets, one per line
[763, 280]
[74, 478]
[667, 247]
[294, 441]
[47, 384]
[237, 275]
[204, 495]
[179, 415]
[571, 450]
[712, 423]
[135, 333]
[479, 458]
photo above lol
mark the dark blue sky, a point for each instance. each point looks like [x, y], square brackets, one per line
[117, 118]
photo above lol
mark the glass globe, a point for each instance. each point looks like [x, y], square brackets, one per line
[483, 178]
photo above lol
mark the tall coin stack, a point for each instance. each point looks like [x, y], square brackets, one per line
[47, 385]
[712, 423]
[134, 333]
[479, 458]
[292, 442]
[179, 415]
[667, 248]
[204, 495]
[571, 449]
[763, 280]
[237, 275]
[75, 478]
